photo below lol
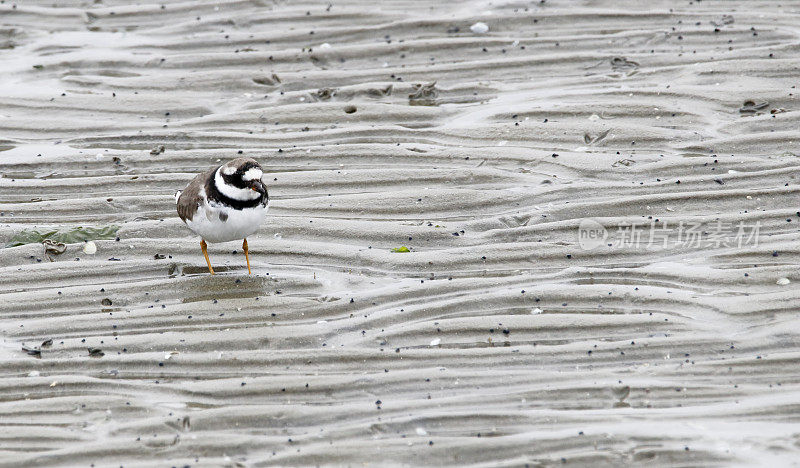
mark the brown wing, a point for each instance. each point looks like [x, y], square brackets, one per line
[190, 197]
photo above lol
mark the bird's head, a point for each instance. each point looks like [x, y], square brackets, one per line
[243, 176]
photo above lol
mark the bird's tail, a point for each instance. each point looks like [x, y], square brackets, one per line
[178, 195]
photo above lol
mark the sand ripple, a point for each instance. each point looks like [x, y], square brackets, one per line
[498, 340]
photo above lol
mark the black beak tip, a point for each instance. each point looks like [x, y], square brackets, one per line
[258, 186]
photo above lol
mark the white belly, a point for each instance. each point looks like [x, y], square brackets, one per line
[239, 224]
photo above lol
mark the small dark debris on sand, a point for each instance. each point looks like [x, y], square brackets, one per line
[380, 92]
[324, 94]
[423, 94]
[623, 64]
[752, 108]
[32, 351]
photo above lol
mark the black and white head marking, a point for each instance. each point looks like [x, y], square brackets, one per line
[238, 185]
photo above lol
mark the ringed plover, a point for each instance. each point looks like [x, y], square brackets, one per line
[225, 203]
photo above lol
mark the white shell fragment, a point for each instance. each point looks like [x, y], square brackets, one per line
[479, 28]
[436, 341]
[90, 248]
[783, 282]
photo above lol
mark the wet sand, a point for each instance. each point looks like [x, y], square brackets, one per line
[497, 340]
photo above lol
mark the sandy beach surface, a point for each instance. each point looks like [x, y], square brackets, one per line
[502, 337]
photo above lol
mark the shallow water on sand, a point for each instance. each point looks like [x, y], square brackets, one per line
[503, 337]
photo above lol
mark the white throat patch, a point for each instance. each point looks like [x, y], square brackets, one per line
[234, 192]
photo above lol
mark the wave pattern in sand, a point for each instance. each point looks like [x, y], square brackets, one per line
[497, 340]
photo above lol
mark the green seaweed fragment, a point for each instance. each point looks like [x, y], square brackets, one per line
[402, 249]
[72, 236]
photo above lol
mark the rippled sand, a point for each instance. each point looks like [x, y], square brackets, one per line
[497, 340]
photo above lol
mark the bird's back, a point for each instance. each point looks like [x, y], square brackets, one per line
[191, 197]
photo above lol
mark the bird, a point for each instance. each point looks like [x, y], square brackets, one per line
[225, 203]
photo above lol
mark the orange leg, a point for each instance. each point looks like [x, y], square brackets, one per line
[204, 246]
[246, 255]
